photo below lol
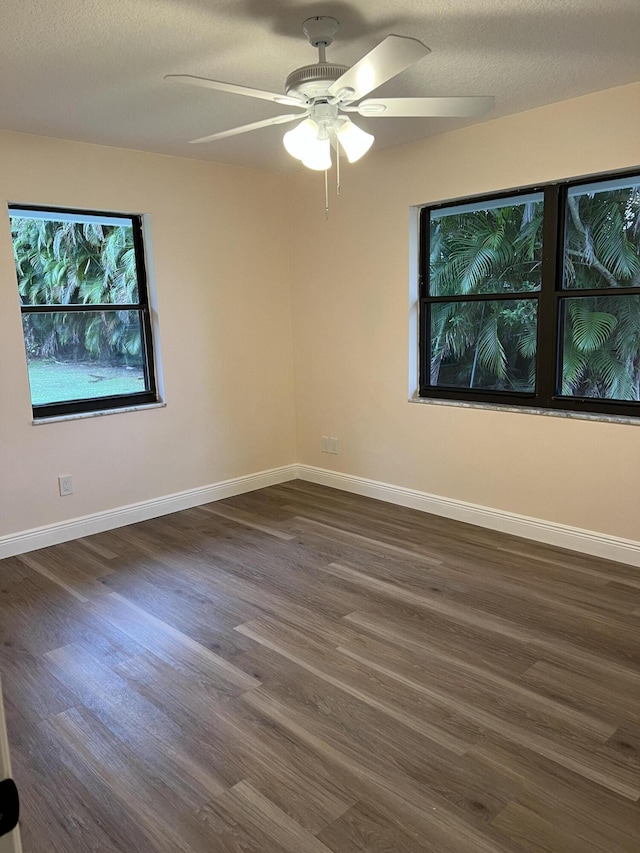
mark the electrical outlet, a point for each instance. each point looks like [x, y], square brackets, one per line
[324, 443]
[333, 445]
[65, 485]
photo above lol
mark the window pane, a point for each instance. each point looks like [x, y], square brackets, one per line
[601, 347]
[487, 345]
[487, 247]
[63, 262]
[82, 355]
[602, 243]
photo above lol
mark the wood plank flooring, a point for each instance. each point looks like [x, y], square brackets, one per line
[299, 670]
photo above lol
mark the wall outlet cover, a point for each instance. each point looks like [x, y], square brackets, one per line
[65, 485]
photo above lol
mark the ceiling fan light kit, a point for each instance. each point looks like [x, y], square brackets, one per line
[310, 142]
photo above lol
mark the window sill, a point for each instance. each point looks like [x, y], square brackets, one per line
[524, 410]
[99, 414]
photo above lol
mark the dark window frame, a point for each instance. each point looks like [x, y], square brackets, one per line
[112, 402]
[549, 297]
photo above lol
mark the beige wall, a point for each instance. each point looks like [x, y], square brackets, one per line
[221, 282]
[351, 307]
[227, 245]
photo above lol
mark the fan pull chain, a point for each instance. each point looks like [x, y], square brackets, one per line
[326, 194]
[337, 170]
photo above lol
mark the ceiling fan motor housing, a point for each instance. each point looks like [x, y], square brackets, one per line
[313, 81]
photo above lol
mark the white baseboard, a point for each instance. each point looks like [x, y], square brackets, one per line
[549, 532]
[53, 534]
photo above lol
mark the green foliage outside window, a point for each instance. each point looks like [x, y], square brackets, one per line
[491, 344]
[485, 344]
[601, 342]
[85, 313]
[69, 263]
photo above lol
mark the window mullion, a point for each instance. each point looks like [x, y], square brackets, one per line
[552, 241]
[424, 364]
[423, 260]
[88, 307]
[505, 296]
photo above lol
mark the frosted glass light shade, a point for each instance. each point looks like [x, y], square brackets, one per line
[310, 142]
[299, 140]
[355, 141]
[318, 155]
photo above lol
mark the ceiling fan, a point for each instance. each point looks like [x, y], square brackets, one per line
[327, 93]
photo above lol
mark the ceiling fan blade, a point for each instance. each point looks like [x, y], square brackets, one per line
[428, 107]
[390, 57]
[232, 89]
[245, 128]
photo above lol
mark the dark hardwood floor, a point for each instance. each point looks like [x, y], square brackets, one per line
[303, 670]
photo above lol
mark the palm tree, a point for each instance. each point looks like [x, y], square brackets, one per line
[601, 346]
[492, 344]
[64, 263]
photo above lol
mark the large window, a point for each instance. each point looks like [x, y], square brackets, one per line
[85, 309]
[532, 298]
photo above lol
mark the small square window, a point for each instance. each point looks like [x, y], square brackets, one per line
[85, 309]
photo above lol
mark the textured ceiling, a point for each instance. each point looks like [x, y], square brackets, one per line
[93, 70]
